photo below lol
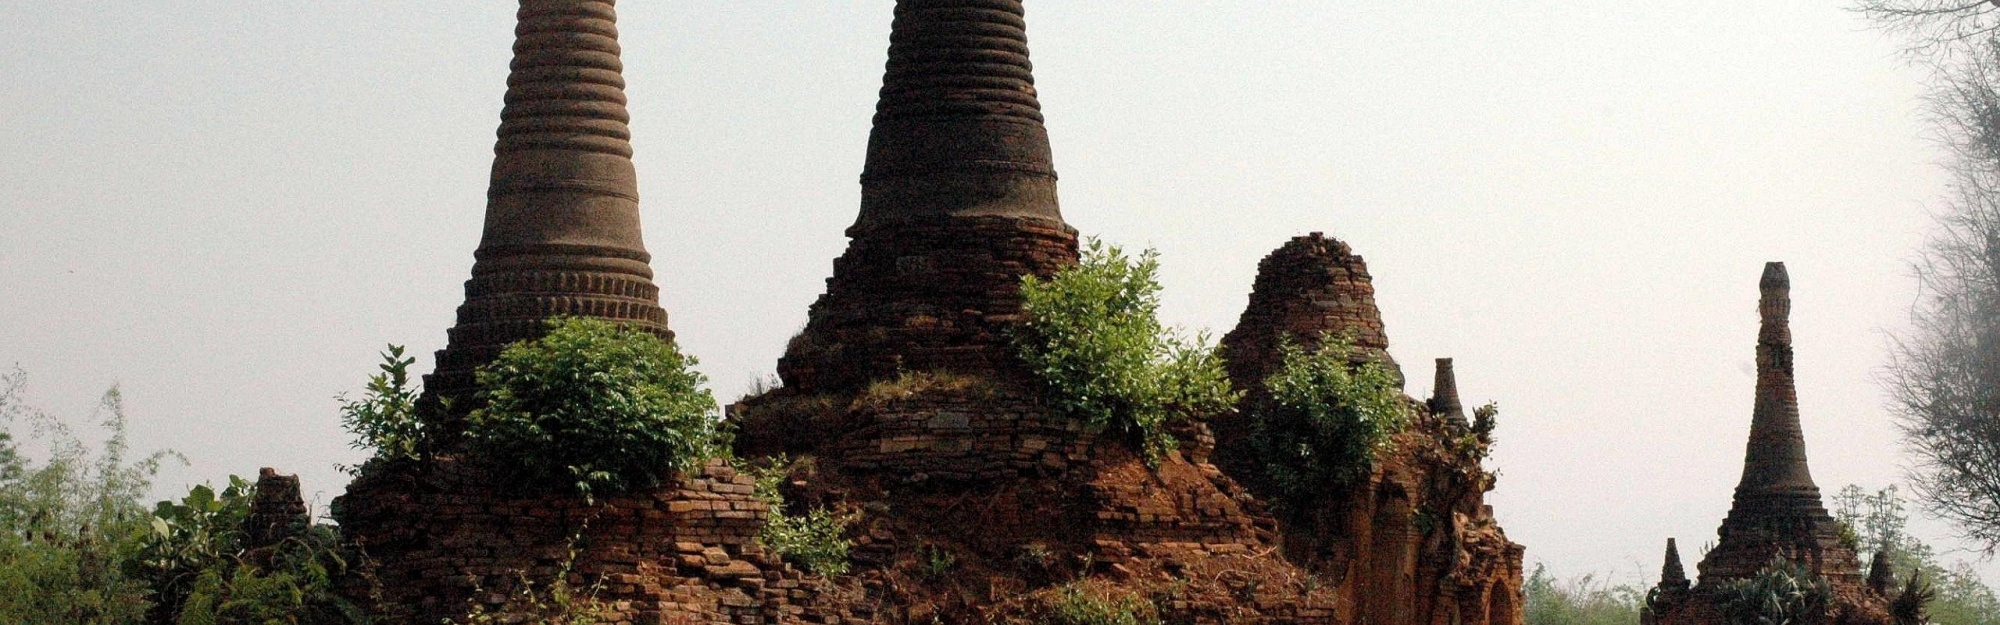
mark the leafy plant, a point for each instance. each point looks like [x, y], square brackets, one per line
[1094, 338]
[935, 562]
[202, 570]
[814, 539]
[385, 419]
[1075, 605]
[1782, 593]
[596, 405]
[1324, 419]
[1585, 600]
[68, 521]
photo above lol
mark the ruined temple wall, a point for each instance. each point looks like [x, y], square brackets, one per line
[443, 538]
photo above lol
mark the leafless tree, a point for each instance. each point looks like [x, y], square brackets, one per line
[1945, 370]
[1936, 27]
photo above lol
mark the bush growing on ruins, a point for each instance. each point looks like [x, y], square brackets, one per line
[1093, 336]
[1077, 604]
[198, 562]
[1782, 593]
[385, 419]
[1324, 420]
[813, 539]
[596, 405]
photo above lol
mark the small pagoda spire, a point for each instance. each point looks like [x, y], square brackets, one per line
[1672, 576]
[1774, 462]
[1444, 395]
[562, 210]
[1881, 574]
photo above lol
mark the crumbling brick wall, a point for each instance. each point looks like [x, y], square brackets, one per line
[443, 537]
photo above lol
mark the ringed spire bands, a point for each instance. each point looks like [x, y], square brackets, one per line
[958, 202]
[562, 215]
[1777, 509]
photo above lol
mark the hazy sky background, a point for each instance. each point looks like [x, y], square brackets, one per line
[228, 207]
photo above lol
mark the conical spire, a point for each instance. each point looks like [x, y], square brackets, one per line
[1777, 510]
[958, 202]
[562, 213]
[1880, 575]
[1672, 576]
[1444, 395]
[1774, 464]
[958, 128]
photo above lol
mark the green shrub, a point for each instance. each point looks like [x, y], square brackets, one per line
[1324, 420]
[69, 521]
[202, 571]
[385, 419]
[1782, 593]
[596, 405]
[1585, 600]
[1093, 337]
[815, 539]
[1074, 605]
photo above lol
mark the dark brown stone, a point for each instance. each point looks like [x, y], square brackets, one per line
[562, 214]
[1777, 511]
[1311, 286]
[958, 202]
[277, 510]
[1444, 400]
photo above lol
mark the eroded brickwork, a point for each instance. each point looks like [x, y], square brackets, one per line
[445, 537]
[958, 202]
[1413, 542]
[1310, 286]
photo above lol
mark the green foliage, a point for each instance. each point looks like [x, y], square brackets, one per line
[597, 405]
[1324, 420]
[1585, 600]
[1877, 520]
[1076, 605]
[559, 602]
[202, 572]
[385, 418]
[936, 562]
[814, 539]
[69, 520]
[1782, 593]
[1094, 338]
[201, 534]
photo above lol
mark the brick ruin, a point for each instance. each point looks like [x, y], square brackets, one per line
[971, 500]
[1413, 542]
[1777, 510]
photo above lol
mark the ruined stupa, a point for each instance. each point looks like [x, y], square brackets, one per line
[1366, 536]
[1777, 510]
[562, 209]
[1444, 400]
[958, 202]
[1311, 286]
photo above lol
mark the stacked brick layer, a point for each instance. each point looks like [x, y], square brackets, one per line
[958, 202]
[448, 537]
[562, 218]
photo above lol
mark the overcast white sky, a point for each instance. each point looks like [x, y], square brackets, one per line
[228, 207]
